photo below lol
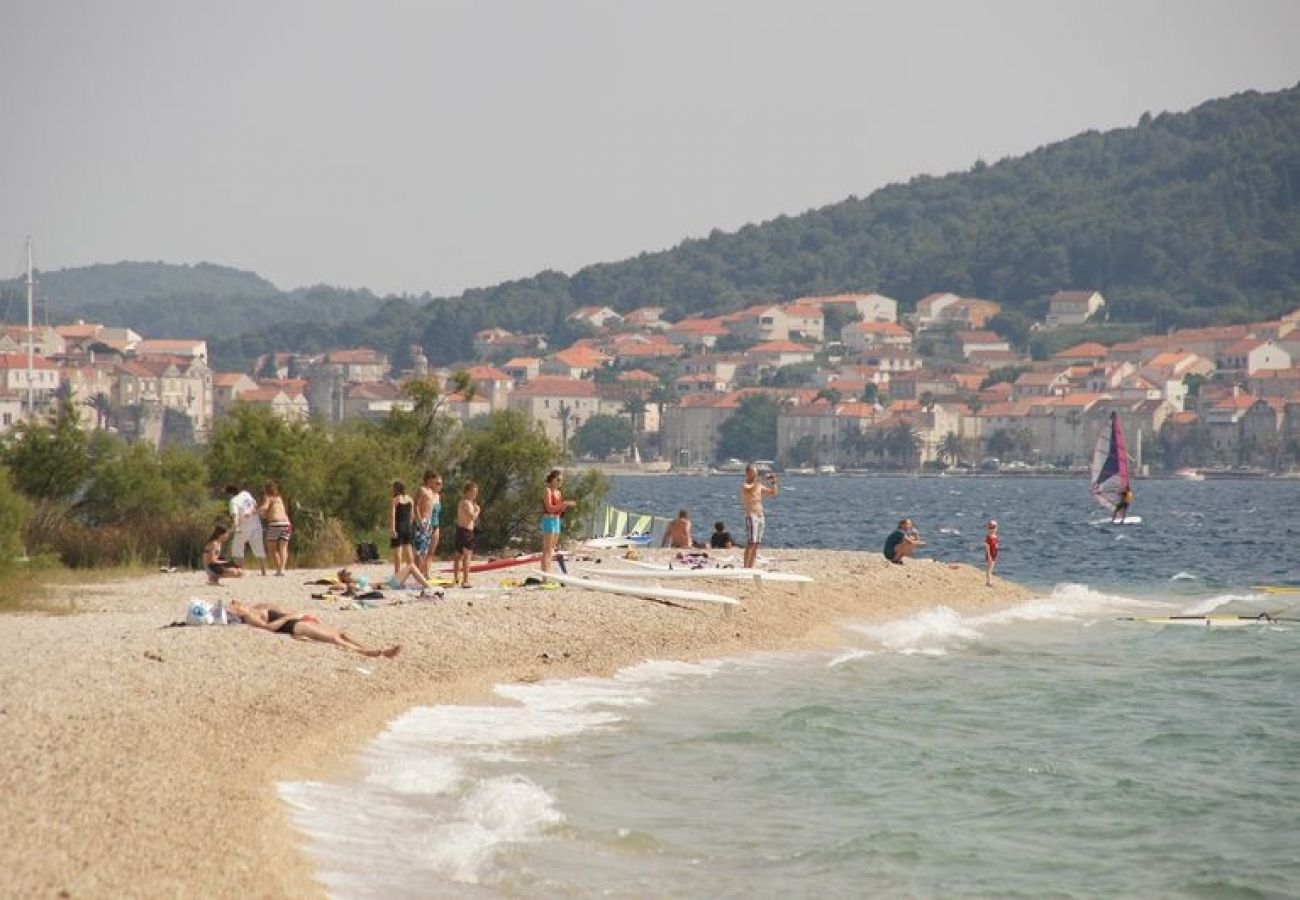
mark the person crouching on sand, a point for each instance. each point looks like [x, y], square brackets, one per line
[902, 542]
[217, 566]
[304, 627]
[467, 513]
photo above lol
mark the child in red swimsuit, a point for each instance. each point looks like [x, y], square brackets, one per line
[990, 550]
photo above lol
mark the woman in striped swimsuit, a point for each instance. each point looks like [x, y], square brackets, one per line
[278, 528]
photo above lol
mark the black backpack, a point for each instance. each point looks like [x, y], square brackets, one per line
[367, 552]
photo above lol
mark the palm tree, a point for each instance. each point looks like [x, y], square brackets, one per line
[564, 412]
[634, 408]
[950, 448]
[903, 441]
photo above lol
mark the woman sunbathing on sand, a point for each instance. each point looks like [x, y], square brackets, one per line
[303, 626]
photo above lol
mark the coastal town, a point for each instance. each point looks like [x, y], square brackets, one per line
[855, 384]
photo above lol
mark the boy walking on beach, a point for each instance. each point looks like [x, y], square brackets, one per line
[751, 500]
[467, 513]
[248, 527]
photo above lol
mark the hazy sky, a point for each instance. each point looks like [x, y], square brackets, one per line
[412, 146]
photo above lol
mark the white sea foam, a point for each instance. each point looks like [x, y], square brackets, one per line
[1066, 602]
[432, 801]
[849, 656]
[928, 630]
[1184, 576]
[1210, 604]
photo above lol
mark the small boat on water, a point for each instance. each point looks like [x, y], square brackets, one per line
[801, 470]
[1189, 474]
[826, 470]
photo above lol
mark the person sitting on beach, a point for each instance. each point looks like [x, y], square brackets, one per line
[467, 513]
[678, 533]
[902, 541]
[217, 566]
[304, 627]
[721, 537]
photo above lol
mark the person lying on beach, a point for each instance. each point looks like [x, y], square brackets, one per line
[902, 542]
[217, 566]
[303, 627]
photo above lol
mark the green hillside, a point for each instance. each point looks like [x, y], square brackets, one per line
[1184, 219]
[161, 300]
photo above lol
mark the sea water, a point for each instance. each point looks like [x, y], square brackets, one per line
[1052, 749]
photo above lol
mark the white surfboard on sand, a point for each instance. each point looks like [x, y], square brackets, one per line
[658, 570]
[651, 591]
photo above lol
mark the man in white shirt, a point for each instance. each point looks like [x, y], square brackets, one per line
[247, 527]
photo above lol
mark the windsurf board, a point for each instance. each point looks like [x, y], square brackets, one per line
[651, 591]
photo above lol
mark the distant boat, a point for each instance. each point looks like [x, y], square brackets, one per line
[826, 470]
[801, 470]
[1109, 471]
[1189, 474]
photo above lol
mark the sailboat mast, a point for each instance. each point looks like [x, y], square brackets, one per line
[31, 330]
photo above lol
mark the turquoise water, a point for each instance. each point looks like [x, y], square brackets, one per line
[1047, 750]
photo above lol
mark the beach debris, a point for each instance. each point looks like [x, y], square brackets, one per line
[154, 655]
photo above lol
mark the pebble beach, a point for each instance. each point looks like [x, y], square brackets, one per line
[142, 760]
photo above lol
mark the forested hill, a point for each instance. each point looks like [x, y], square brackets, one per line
[1186, 218]
[164, 300]
[90, 287]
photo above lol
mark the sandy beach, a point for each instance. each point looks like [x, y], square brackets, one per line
[141, 761]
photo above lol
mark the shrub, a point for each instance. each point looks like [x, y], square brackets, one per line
[14, 513]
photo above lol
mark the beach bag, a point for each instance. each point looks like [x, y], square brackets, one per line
[199, 612]
[367, 552]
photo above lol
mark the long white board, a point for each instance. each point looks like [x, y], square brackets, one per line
[652, 591]
[1207, 621]
[656, 570]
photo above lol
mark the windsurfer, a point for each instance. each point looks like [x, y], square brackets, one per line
[1121, 508]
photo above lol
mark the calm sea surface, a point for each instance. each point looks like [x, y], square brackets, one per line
[1047, 750]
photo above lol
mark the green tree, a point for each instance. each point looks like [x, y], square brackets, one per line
[751, 432]
[14, 513]
[601, 435]
[903, 444]
[132, 483]
[950, 448]
[251, 445]
[509, 457]
[804, 451]
[48, 459]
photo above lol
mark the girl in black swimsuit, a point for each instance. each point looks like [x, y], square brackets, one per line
[304, 626]
[402, 519]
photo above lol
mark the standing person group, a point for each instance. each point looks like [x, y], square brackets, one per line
[246, 516]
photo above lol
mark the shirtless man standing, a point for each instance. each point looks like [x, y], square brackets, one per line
[751, 500]
[428, 512]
